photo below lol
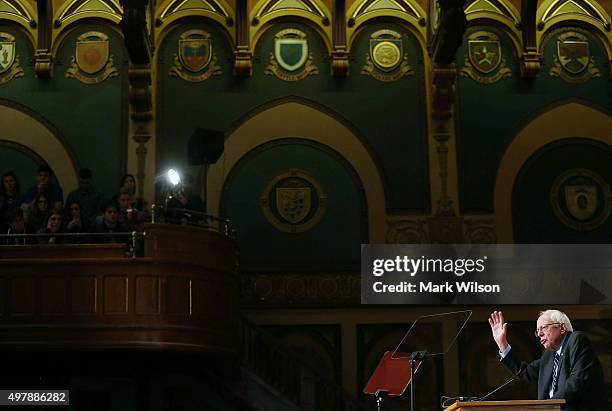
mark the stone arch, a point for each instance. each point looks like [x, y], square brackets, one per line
[302, 121]
[569, 120]
[26, 130]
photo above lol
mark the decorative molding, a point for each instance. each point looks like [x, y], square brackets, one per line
[75, 9]
[499, 7]
[243, 62]
[307, 6]
[18, 11]
[340, 61]
[480, 230]
[214, 7]
[301, 289]
[407, 231]
[401, 6]
[561, 8]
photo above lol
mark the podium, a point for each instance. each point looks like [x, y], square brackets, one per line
[517, 405]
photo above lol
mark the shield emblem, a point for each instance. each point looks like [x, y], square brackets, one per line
[92, 55]
[386, 54]
[573, 55]
[291, 53]
[485, 55]
[581, 201]
[293, 204]
[7, 55]
[195, 53]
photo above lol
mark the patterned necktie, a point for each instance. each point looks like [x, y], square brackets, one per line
[555, 372]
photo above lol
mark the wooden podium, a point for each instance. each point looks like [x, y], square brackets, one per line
[517, 405]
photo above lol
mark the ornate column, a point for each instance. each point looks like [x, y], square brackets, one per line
[340, 55]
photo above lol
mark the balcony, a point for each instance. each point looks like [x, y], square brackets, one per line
[181, 296]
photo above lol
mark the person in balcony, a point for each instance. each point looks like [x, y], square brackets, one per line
[86, 195]
[110, 224]
[46, 185]
[76, 221]
[54, 226]
[10, 196]
[128, 183]
[16, 225]
[38, 213]
[186, 199]
[132, 218]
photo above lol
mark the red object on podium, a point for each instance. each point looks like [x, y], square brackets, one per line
[392, 375]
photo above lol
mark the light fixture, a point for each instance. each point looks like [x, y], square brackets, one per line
[173, 177]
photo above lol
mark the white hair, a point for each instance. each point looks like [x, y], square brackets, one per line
[558, 317]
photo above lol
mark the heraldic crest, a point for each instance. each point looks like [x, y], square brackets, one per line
[293, 201]
[195, 61]
[484, 62]
[386, 60]
[92, 62]
[291, 60]
[9, 60]
[573, 61]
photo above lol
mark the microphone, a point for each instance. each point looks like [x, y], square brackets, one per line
[447, 401]
[513, 378]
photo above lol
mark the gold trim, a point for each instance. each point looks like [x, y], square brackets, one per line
[589, 72]
[14, 72]
[293, 228]
[107, 71]
[212, 69]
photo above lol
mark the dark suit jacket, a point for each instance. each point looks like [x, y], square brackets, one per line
[581, 382]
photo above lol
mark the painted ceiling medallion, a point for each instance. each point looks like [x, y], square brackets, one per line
[93, 62]
[386, 60]
[484, 62]
[195, 61]
[291, 60]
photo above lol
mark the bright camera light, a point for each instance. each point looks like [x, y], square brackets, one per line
[173, 177]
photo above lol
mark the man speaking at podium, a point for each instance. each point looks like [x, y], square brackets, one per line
[568, 369]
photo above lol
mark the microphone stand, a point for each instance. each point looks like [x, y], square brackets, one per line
[414, 357]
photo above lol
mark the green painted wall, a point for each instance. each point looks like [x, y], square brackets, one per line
[490, 115]
[20, 160]
[388, 117]
[534, 219]
[333, 242]
[90, 119]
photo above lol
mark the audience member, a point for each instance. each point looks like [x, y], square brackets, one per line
[16, 225]
[45, 186]
[86, 195]
[54, 226]
[110, 224]
[10, 196]
[76, 222]
[38, 212]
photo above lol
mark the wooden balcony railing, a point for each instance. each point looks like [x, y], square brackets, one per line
[181, 296]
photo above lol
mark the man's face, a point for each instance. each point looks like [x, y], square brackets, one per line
[18, 225]
[9, 183]
[84, 183]
[111, 215]
[42, 178]
[550, 333]
[124, 201]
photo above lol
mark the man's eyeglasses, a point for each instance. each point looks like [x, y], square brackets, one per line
[543, 328]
